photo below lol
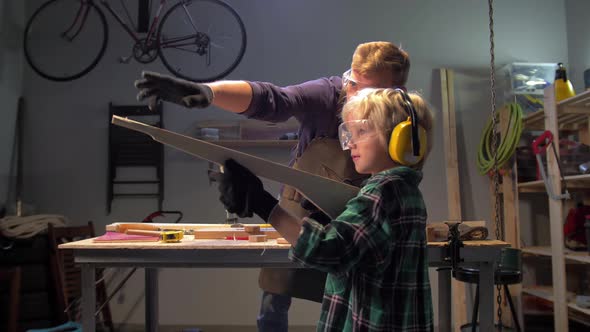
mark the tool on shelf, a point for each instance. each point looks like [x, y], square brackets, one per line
[563, 86]
[540, 145]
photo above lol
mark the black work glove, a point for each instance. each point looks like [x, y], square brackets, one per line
[242, 192]
[315, 213]
[176, 90]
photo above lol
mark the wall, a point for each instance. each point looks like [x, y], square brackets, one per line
[11, 77]
[577, 41]
[289, 41]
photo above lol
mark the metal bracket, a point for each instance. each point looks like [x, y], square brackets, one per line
[455, 245]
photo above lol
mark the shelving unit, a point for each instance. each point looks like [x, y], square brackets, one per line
[572, 114]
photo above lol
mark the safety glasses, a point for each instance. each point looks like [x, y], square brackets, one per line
[347, 80]
[355, 131]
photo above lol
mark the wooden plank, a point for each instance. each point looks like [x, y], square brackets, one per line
[556, 218]
[223, 233]
[169, 226]
[510, 196]
[252, 229]
[257, 238]
[328, 195]
[453, 186]
[121, 237]
[450, 144]
[509, 190]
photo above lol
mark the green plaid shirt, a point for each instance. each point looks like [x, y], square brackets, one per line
[376, 257]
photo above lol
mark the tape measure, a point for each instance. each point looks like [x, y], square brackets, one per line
[165, 236]
[172, 236]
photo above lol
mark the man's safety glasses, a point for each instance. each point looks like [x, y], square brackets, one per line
[355, 131]
[346, 79]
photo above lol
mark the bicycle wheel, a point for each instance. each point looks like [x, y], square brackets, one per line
[201, 40]
[65, 39]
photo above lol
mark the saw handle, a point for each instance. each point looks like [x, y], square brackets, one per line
[542, 142]
[153, 215]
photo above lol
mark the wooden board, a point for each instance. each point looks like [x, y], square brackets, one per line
[257, 238]
[328, 195]
[453, 185]
[224, 233]
[121, 237]
[118, 226]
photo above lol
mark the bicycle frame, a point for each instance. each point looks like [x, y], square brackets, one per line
[83, 13]
[132, 34]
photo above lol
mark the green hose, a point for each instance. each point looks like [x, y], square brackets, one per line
[508, 141]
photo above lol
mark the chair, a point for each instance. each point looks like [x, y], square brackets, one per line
[12, 278]
[67, 275]
[507, 273]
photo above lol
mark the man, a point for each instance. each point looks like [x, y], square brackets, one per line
[316, 105]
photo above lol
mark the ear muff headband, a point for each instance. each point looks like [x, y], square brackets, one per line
[406, 133]
[409, 108]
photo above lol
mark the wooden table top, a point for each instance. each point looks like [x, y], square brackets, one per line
[188, 242]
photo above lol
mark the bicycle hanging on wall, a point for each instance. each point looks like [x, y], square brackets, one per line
[198, 40]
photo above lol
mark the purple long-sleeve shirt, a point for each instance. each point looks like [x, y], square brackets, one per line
[315, 104]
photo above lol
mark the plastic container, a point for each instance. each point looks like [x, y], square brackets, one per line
[523, 83]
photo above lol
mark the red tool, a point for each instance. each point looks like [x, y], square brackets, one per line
[161, 214]
[540, 145]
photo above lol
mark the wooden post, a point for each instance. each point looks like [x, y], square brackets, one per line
[509, 192]
[452, 175]
[556, 217]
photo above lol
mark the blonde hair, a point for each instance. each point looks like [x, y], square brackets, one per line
[375, 57]
[384, 108]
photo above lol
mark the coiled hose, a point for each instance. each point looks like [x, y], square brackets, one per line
[508, 141]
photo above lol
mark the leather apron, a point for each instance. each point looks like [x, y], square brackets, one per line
[324, 157]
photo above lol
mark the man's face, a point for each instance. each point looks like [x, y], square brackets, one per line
[354, 82]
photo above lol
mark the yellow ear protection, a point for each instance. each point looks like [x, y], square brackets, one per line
[407, 144]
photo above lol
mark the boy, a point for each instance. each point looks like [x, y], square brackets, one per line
[375, 251]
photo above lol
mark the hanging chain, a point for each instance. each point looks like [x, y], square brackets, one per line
[495, 173]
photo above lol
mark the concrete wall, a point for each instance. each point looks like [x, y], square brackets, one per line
[11, 78]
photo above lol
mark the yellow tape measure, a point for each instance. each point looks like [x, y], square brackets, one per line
[172, 236]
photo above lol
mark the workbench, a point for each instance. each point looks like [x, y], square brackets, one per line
[190, 253]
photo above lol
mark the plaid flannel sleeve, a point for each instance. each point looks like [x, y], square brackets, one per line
[357, 234]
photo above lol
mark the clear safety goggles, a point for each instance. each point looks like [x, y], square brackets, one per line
[355, 131]
[348, 80]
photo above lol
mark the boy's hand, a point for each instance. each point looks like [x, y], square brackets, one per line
[182, 92]
[242, 192]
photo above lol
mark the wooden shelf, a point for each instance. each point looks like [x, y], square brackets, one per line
[546, 293]
[578, 256]
[574, 182]
[256, 143]
[572, 114]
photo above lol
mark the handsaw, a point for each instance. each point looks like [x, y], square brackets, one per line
[328, 195]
